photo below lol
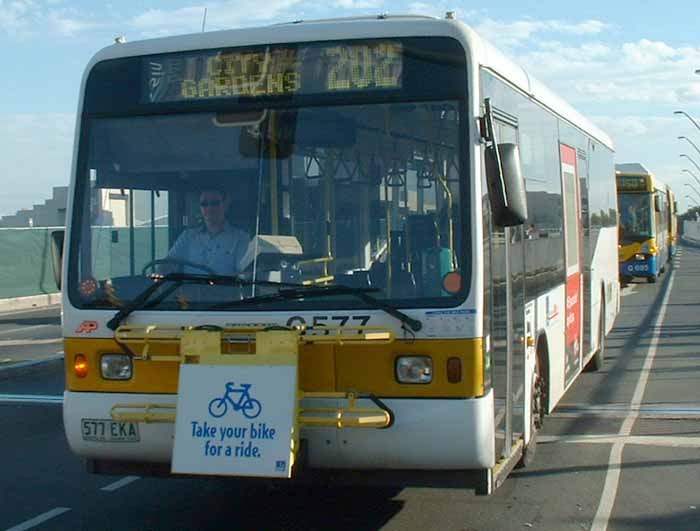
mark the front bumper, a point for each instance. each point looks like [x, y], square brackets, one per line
[640, 268]
[428, 434]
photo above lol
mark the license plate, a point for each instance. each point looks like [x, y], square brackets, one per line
[106, 430]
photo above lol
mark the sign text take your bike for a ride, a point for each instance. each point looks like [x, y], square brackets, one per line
[222, 434]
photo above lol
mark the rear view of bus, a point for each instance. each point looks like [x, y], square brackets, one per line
[644, 222]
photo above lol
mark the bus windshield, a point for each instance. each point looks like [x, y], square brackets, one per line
[358, 195]
[635, 217]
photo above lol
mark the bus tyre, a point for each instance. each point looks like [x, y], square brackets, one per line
[651, 280]
[599, 357]
[536, 416]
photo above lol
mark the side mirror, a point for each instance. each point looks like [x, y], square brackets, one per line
[506, 185]
[57, 238]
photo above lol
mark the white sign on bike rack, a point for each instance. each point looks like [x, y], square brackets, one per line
[235, 420]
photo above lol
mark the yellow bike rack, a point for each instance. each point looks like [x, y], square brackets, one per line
[254, 346]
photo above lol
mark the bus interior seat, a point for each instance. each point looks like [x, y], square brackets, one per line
[430, 262]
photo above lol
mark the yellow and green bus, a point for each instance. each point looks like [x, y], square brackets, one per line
[643, 204]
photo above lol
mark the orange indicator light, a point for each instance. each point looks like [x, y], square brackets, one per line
[80, 366]
[454, 370]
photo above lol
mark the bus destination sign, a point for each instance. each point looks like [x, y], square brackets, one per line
[631, 184]
[272, 71]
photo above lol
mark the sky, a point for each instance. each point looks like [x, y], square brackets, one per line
[626, 65]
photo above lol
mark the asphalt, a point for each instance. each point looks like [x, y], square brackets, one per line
[29, 337]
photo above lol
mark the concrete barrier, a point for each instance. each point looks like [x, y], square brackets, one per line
[691, 232]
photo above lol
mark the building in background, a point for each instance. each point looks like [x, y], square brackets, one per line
[51, 214]
[113, 210]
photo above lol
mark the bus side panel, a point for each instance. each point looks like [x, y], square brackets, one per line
[601, 246]
[550, 324]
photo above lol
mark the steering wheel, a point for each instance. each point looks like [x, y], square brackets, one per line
[177, 262]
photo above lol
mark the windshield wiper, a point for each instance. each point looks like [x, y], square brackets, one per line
[301, 292]
[143, 299]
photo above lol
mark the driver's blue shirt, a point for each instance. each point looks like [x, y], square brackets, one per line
[222, 252]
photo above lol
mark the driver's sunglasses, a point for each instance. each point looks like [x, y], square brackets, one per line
[212, 203]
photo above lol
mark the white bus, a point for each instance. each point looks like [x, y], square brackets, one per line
[424, 254]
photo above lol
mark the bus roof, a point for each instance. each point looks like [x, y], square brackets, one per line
[631, 168]
[481, 51]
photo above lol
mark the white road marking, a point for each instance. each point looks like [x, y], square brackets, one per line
[628, 290]
[668, 441]
[668, 411]
[39, 519]
[23, 342]
[612, 477]
[501, 406]
[31, 310]
[25, 328]
[31, 399]
[119, 484]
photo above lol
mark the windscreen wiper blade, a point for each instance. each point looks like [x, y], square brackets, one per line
[363, 295]
[300, 292]
[143, 299]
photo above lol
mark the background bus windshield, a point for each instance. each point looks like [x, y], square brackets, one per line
[635, 216]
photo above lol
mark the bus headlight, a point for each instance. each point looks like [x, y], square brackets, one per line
[639, 257]
[116, 366]
[414, 369]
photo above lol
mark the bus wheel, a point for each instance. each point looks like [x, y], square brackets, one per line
[599, 357]
[651, 280]
[537, 404]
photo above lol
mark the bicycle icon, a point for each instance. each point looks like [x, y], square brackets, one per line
[250, 407]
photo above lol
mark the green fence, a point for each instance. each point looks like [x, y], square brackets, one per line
[25, 262]
[111, 249]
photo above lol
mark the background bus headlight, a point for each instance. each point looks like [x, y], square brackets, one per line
[115, 366]
[414, 369]
[639, 257]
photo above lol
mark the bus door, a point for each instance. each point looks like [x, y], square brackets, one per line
[516, 387]
[508, 320]
[573, 254]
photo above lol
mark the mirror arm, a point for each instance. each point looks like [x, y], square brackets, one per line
[491, 138]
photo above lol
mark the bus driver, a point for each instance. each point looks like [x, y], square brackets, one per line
[217, 244]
